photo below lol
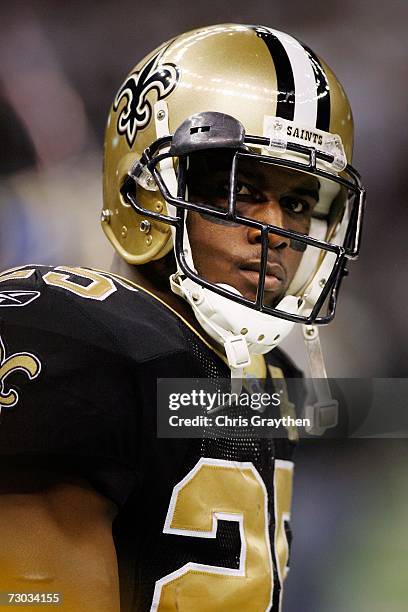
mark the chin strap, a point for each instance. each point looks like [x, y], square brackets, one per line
[235, 346]
[324, 413]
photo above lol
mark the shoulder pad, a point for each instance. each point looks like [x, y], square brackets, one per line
[92, 306]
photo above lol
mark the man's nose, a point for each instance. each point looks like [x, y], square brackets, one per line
[272, 214]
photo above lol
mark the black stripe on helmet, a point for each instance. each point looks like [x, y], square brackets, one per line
[323, 91]
[285, 107]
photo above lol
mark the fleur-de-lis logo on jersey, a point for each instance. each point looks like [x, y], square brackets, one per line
[19, 362]
[137, 111]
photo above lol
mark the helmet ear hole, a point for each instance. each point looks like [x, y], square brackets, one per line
[128, 186]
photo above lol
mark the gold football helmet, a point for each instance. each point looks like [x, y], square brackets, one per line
[264, 96]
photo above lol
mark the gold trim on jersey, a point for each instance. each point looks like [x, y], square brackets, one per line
[16, 273]
[99, 289]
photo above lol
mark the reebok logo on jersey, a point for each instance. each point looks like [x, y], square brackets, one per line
[18, 298]
[26, 363]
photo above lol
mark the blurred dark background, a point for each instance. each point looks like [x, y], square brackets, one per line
[61, 65]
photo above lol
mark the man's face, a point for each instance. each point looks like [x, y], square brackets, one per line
[229, 253]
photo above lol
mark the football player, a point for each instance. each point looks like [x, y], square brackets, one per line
[233, 209]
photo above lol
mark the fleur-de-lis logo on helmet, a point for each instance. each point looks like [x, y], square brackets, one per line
[23, 362]
[137, 111]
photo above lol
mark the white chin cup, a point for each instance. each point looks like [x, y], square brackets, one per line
[222, 318]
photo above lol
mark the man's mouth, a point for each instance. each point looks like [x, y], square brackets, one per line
[274, 277]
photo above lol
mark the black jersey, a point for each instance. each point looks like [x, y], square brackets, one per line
[202, 523]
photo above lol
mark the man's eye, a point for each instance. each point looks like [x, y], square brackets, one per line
[242, 191]
[295, 205]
